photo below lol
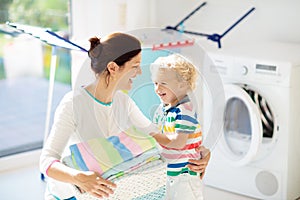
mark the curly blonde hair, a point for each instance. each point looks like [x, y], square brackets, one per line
[185, 70]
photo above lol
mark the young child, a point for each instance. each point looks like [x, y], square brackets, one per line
[174, 78]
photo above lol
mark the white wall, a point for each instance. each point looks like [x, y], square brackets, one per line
[97, 17]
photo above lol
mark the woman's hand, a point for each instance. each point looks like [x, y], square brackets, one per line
[201, 164]
[92, 183]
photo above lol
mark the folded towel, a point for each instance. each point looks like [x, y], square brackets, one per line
[133, 164]
[110, 156]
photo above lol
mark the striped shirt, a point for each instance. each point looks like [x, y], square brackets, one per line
[181, 118]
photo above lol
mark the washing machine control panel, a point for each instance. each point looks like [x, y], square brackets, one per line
[243, 69]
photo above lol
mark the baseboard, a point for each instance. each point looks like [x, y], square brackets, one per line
[20, 160]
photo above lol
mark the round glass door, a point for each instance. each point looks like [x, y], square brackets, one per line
[242, 131]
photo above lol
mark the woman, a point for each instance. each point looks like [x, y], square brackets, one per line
[99, 109]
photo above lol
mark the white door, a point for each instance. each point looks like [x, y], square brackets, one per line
[242, 131]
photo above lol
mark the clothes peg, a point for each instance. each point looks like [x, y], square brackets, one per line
[170, 45]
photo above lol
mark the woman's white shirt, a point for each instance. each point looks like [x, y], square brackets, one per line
[79, 117]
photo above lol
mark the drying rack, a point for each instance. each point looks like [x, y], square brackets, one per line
[215, 37]
[54, 40]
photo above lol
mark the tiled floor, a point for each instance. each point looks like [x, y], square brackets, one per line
[22, 184]
[23, 105]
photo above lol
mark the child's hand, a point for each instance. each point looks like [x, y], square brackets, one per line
[200, 165]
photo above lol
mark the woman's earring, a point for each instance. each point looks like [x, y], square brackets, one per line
[112, 78]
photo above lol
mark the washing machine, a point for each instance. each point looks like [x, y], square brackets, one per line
[257, 153]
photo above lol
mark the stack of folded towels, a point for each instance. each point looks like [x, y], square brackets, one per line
[114, 156]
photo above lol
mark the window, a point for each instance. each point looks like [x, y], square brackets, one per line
[24, 74]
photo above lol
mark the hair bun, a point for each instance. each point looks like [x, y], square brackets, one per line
[94, 42]
[95, 47]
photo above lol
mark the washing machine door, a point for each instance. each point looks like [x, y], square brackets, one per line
[242, 131]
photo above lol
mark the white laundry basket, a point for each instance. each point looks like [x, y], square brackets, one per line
[145, 183]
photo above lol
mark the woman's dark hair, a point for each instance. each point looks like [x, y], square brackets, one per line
[116, 47]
